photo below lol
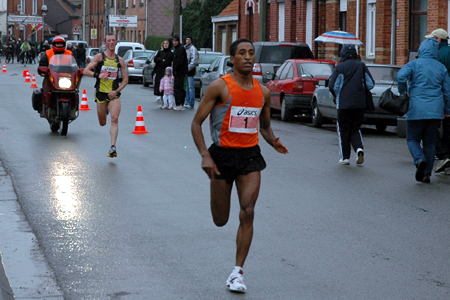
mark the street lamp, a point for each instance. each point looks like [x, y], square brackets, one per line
[44, 11]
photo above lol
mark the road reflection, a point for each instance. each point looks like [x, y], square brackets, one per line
[66, 197]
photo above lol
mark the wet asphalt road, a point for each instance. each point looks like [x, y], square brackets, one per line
[139, 226]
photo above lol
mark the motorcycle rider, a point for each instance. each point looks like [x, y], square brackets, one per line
[58, 47]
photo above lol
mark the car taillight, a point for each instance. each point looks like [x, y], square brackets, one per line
[88, 60]
[298, 86]
[257, 69]
[130, 64]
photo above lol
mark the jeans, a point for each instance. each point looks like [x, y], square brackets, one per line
[190, 91]
[424, 131]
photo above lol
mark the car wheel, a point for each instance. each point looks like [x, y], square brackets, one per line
[381, 127]
[144, 82]
[317, 118]
[286, 114]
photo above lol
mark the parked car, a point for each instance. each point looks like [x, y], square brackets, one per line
[124, 46]
[135, 60]
[147, 71]
[206, 58]
[270, 55]
[218, 68]
[294, 83]
[90, 53]
[324, 104]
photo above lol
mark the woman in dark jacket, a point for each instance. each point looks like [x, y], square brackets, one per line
[163, 59]
[81, 55]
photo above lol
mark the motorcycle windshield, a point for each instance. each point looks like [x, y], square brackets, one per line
[63, 63]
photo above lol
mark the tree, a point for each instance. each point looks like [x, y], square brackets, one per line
[197, 20]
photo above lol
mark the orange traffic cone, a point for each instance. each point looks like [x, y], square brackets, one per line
[24, 73]
[84, 103]
[33, 83]
[4, 68]
[27, 79]
[140, 127]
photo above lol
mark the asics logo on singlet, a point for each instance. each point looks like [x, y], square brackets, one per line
[247, 112]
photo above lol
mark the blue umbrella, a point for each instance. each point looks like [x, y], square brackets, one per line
[338, 37]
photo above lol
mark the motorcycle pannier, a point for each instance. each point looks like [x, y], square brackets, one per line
[36, 100]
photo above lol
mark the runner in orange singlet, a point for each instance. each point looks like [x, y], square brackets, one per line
[237, 104]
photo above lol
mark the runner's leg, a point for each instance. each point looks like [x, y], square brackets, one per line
[220, 201]
[248, 190]
[114, 107]
[101, 112]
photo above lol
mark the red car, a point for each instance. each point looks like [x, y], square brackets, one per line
[292, 87]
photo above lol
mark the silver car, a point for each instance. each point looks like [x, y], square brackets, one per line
[147, 71]
[90, 53]
[218, 68]
[205, 60]
[324, 104]
[134, 61]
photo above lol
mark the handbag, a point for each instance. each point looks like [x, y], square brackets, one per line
[392, 103]
[369, 98]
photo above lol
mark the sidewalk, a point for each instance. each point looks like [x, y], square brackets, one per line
[24, 272]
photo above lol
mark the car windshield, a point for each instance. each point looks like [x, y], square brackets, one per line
[142, 54]
[208, 58]
[63, 63]
[94, 52]
[122, 49]
[278, 54]
[314, 70]
[383, 75]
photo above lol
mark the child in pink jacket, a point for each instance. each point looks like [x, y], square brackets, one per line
[166, 85]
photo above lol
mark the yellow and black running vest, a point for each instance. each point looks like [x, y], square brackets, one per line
[112, 67]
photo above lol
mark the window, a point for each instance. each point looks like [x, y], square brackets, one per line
[34, 7]
[281, 13]
[370, 30]
[22, 7]
[290, 73]
[278, 74]
[418, 24]
[284, 73]
[224, 40]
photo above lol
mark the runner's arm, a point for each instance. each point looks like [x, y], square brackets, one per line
[89, 70]
[204, 109]
[266, 129]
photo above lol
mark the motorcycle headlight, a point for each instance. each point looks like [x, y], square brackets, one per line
[64, 82]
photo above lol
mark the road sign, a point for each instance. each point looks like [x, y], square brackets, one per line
[94, 34]
[122, 21]
[12, 19]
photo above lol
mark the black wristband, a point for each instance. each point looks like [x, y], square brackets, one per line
[118, 93]
[96, 75]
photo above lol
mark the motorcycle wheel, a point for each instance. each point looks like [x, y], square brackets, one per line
[64, 117]
[54, 127]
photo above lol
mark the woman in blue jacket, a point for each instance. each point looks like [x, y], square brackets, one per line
[429, 102]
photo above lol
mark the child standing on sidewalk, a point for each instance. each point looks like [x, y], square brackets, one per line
[166, 85]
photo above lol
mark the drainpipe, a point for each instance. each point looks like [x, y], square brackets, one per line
[393, 32]
[357, 18]
[316, 50]
[146, 20]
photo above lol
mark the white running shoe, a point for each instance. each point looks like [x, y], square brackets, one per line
[235, 282]
[344, 161]
[181, 107]
[359, 156]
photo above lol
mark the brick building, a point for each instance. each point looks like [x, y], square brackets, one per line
[22, 17]
[389, 34]
[225, 27]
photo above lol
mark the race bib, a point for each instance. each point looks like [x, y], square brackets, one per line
[244, 119]
[111, 71]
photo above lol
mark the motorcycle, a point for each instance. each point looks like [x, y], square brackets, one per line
[58, 100]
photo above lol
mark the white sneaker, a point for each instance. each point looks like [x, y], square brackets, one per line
[235, 282]
[181, 107]
[176, 108]
[359, 156]
[158, 99]
[344, 161]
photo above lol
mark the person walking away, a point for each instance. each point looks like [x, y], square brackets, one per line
[442, 143]
[81, 55]
[105, 66]
[180, 67]
[18, 45]
[166, 85]
[163, 59]
[10, 51]
[235, 155]
[193, 61]
[347, 85]
[429, 101]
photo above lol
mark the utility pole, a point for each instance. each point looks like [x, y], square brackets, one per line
[176, 18]
[262, 20]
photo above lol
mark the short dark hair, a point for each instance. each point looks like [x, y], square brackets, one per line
[234, 45]
[109, 33]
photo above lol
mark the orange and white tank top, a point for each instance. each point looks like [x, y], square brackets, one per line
[235, 123]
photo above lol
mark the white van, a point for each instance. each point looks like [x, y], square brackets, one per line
[75, 42]
[123, 47]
